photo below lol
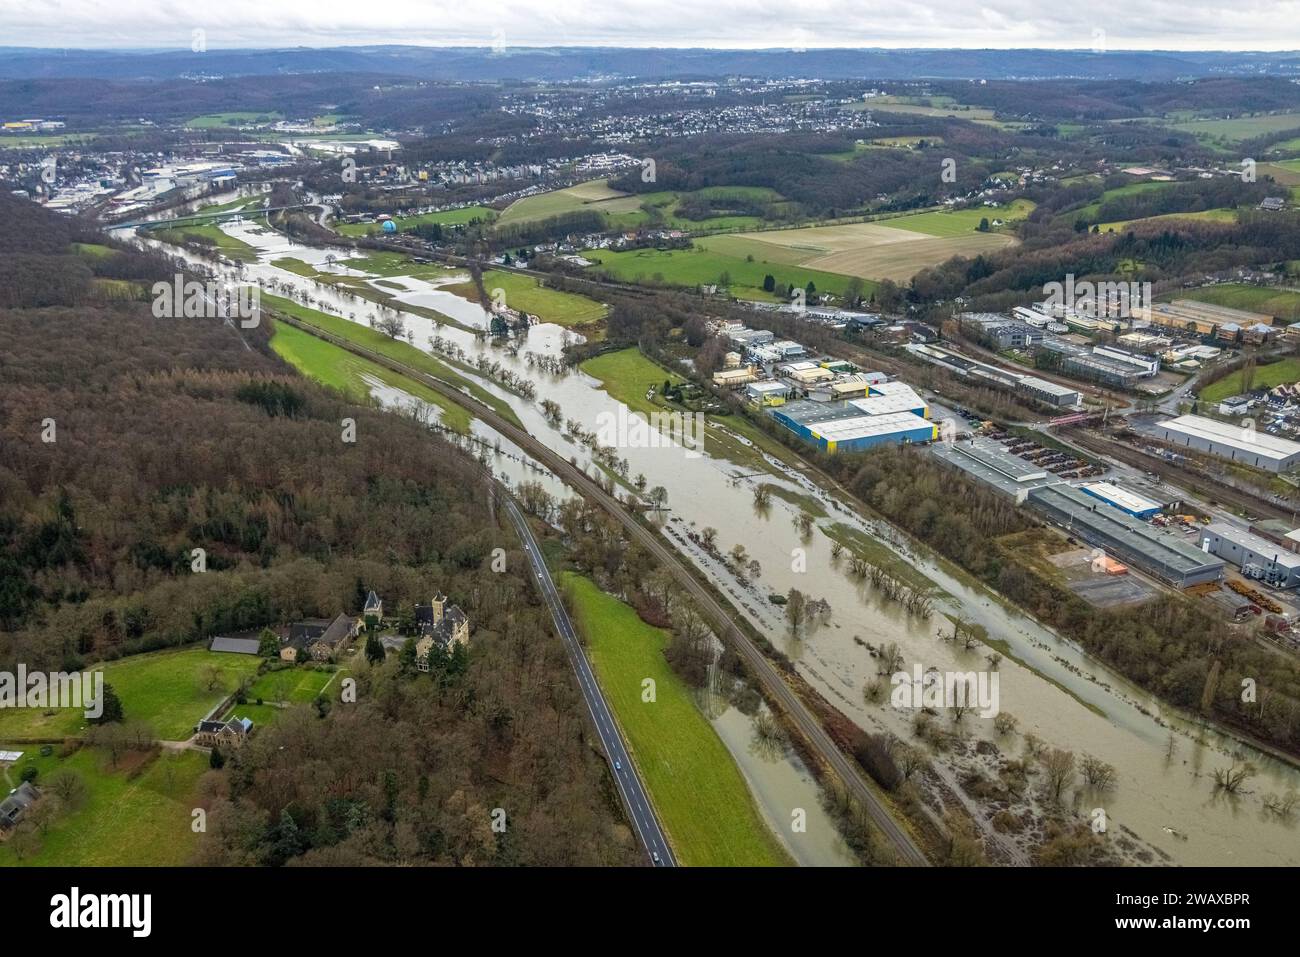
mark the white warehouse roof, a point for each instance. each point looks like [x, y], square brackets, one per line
[1256, 443]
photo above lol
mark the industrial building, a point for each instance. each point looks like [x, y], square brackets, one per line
[843, 427]
[1031, 387]
[1049, 393]
[1258, 449]
[896, 400]
[1076, 360]
[1135, 542]
[1257, 557]
[1124, 500]
[992, 464]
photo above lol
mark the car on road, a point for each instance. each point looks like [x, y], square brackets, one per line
[618, 765]
[655, 855]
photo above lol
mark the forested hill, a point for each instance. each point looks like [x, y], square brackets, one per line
[175, 434]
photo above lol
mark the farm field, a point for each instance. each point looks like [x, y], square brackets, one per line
[1266, 377]
[594, 195]
[524, 292]
[446, 217]
[1286, 172]
[714, 261]
[141, 821]
[889, 249]
[927, 106]
[393, 348]
[700, 794]
[168, 689]
[1237, 129]
[1282, 304]
[626, 210]
[211, 121]
[958, 222]
[1221, 215]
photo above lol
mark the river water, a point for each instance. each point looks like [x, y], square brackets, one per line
[1165, 796]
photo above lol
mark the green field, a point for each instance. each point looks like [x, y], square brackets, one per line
[627, 376]
[342, 370]
[211, 121]
[1237, 129]
[706, 265]
[168, 689]
[628, 210]
[959, 222]
[397, 349]
[523, 292]
[1222, 215]
[232, 247]
[446, 217]
[694, 784]
[622, 209]
[295, 685]
[143, 821]
[1282, 304]
[1266, 377]
[93, 250]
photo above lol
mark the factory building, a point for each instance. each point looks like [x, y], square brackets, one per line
[1257, 557]
[1135, 542]
[843, 427]
[1122, 499]
[1041, 390]
[1258, 449]
[896, 400]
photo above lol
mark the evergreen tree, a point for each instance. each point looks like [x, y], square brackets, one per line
[112, 707]
[374, 649]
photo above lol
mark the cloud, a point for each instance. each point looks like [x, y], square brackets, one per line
[806, 24]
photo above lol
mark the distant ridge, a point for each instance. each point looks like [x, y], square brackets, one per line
[568, 63]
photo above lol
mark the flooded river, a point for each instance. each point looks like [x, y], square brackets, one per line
[1165, 792]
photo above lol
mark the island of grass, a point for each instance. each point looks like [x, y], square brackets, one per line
[354, 376]
[525, 294]
[628, 375]
[395, 349]
[697, 789]
[207, 236]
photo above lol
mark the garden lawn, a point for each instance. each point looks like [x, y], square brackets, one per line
[127, 822]
[168, 689]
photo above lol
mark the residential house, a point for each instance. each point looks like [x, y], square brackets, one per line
[320, 637]
[16, 804]
[245, 643]
[223, 734]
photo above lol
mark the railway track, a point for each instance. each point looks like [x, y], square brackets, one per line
[723, 620]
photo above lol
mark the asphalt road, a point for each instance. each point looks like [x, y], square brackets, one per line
[629, 783]
[776, 687]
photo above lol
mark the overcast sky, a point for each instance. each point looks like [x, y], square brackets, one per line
[1110, 24]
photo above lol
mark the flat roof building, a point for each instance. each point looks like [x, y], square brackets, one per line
[1134, 542]
[1257, 557]
[1249, 446]
[1124, 500]
[841, 427]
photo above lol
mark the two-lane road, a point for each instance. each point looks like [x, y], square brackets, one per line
[629, 782]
